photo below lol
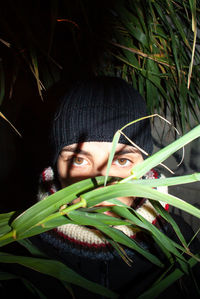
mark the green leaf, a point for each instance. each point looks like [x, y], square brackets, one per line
[52, 203]
[137, 219]
[162, 212]
[158, 288]
[58, 270]
[109, 220]
[112, 153]
[129, 190]
[167, 243]
[125, 213]
[154, 81]
[4, 222]
[185, 179]
[38, 253]
[7, 276]
[140, 169]
[32, 248]
[178, 25]
[139, 35]
[41, 227]
[115, 234]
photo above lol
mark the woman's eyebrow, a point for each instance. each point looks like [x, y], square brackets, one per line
[127, 151]
[75, 150]
[78, 150]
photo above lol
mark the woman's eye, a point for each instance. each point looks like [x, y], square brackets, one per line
[78, 161]
[122, 162]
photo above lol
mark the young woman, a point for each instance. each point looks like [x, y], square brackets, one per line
[82, 130]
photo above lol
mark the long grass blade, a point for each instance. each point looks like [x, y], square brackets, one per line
[185, 179]
[128, 190]
[58, 270]
[36, 72]
[139, 170]
[4, 222]
[177, 24]
[166, 282]
[112, 153]
[115, 234]
[162, 212]
[167, 244]
[52, 203]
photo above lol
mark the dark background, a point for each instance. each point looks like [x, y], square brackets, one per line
[66, 51]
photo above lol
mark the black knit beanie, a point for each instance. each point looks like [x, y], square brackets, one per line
[94, 109]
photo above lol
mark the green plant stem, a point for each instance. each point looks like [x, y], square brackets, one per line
[8, 238]
[12, 235]
[81, 204]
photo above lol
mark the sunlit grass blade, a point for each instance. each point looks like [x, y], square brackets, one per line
[125, 213]
[12, 235]
[47, 206]
[135, 220]
[38, 228]
[61, 220]
[185, 179]
[166, 252]
[7, 238]
[140, 169]
[160, 237]
[4, 222]
[109, 220]
[96, 196]
[58, 270]
[115, 234]
[167, 243]
[162, 212]
[168, 246]
[112, 153]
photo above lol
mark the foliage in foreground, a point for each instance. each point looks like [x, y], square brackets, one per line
[49, 213]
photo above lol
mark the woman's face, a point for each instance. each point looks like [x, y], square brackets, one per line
[89, 159]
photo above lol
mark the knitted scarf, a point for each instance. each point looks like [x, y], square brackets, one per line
[83, 240]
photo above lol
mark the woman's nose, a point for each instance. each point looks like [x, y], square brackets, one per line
[101, 171]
